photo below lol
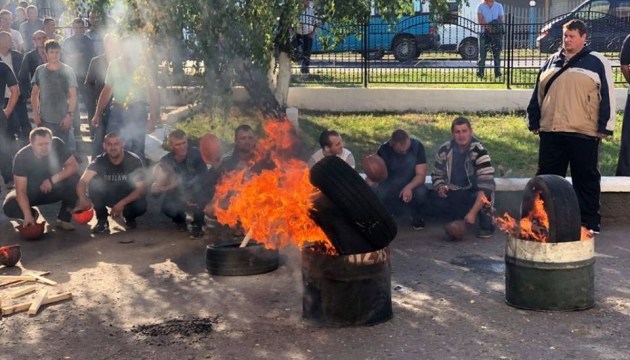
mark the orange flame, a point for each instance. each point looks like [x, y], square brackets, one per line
[273, 204]
[535, 226]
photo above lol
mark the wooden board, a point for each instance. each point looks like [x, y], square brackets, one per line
[22, 292]
[8, 310]
[34, 308]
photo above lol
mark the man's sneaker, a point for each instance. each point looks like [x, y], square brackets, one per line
[181, 226]
[101, 227]
[417, 223]
[131, 224]
[64, 225]
[196, 232]
[485, 234]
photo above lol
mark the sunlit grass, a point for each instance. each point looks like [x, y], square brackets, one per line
[513, 149]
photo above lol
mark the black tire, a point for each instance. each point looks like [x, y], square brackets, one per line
[231, 260]
[405, 48]
[373, 55]
[344, 236]
[469, 49]
[561, 205]
[356, 201]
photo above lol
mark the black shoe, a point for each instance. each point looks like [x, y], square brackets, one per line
[102, 226]
[485, 234]
[131, 224]
[181, 226]
[196, 232]
[417, 223]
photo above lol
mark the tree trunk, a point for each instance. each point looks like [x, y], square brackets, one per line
[256, 83]
[283, 78]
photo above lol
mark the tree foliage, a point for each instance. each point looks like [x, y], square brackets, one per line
[237, 40]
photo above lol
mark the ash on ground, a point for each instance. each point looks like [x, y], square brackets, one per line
[176, 330]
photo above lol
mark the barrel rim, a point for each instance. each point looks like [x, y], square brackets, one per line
[562, 252]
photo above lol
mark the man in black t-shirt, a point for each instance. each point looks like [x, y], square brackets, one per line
[623, 164]
[190, 191]
[115, 179]
[403, 190]
[44, 173]
[7, 79]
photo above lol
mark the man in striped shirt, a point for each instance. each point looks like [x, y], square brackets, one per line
[463, 178]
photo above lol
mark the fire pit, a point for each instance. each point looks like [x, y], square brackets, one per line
[350, 290]
[549, 261]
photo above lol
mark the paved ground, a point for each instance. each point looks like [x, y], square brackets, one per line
[448, 303]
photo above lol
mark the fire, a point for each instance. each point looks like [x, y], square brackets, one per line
[274, 203]
[535, 226]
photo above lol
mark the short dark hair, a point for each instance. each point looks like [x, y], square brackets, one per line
[176, 134]
[399, 136]
[78, 21]
[52, 44]
[111, 134]
[39, 131]
[243, 127]
[48, 20]
[575, 24]
[460, 120]
[324, 137]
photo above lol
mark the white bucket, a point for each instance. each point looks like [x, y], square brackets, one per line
[292, 115]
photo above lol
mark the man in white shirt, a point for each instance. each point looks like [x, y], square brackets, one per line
[305, 32]
[6, 20]
[331, 144]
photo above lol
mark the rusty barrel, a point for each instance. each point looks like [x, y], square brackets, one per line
[346, 290]
[550, 276]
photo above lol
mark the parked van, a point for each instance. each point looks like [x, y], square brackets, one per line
[607, 22]
[460, 34]
[406, 38]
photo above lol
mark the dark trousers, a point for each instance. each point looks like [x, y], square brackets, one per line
[493, 43]
[306, 43]
[623, 164]
[64, 191]
[130, 123]
[7, 151]
[18, 121]
[174, 206]
[389, 195]
[457, 204]
[99, 133]
[557, 152]
[103, 195]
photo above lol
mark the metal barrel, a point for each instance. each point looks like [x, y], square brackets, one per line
[350, 290]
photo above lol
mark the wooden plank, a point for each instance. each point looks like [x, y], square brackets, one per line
[43, 279]
[34, 308]
[16, 278]
[17, 283]
[8, 310]
[22, 292]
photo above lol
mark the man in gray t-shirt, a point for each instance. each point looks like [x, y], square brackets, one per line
[54, 94]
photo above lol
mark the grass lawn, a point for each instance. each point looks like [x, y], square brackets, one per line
[514, 151]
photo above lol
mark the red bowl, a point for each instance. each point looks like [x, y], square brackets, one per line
[33, 232]
[83, 216]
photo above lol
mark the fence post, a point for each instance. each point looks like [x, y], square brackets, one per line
[510, 49]
[366, 43]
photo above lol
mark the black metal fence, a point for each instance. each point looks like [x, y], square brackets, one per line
[415, 51]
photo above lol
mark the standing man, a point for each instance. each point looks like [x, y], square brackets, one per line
[78, 50]
[6, 20]
[32, 60]
[463, 178]
[7, 79]
[243, 152]
[305, 32]
[44, 173]
[32, 24]
[623, 163]
[572, 109]
[50, 28]
[331, 144]
[132, 91]
[94, 84]
[115, 179]
[54, 94]
[18, 121]
[188, 192]
[490, 17]
[403, 190]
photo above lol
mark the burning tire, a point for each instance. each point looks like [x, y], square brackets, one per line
[561, 206]
[356, 201]
[232, 260]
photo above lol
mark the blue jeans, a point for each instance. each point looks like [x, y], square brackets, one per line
[494, 43]
[130, 123]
